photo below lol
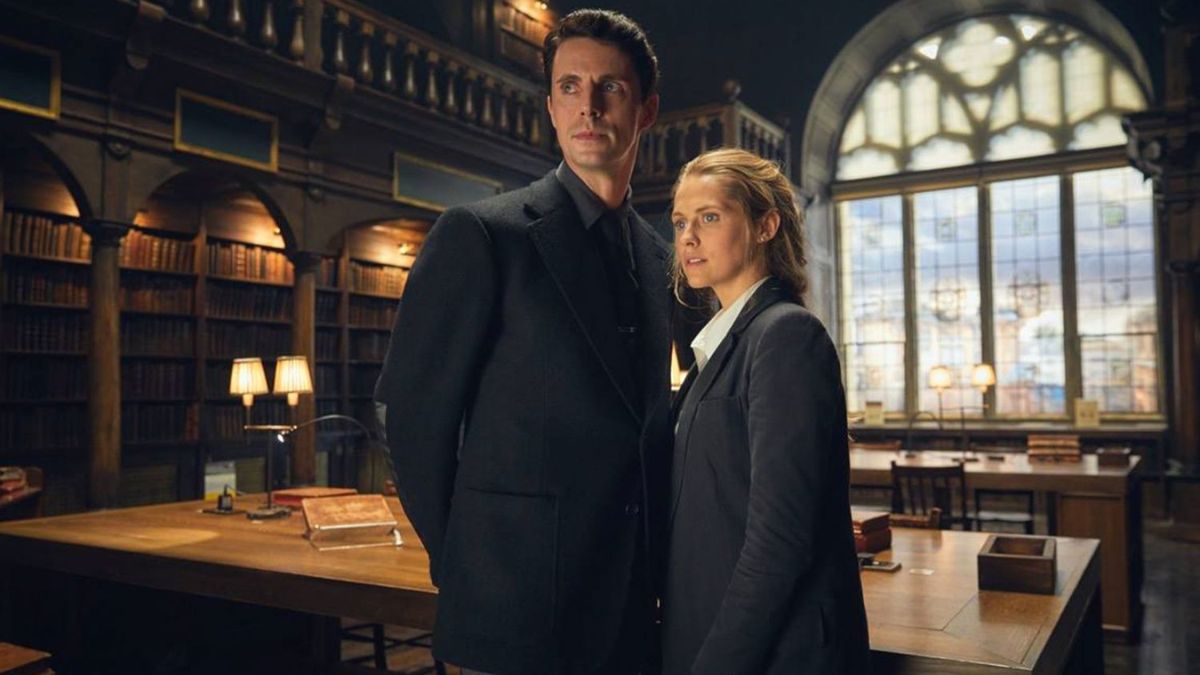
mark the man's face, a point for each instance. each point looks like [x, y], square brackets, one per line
[596, 106]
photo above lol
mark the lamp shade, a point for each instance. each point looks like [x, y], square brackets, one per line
[983, 376]
[292, 377]
[940, 377]
[247, 377]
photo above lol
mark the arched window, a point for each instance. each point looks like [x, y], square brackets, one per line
[985, 213]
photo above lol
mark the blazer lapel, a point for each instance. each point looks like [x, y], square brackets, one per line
[768, 294]
[575, 266]
[651, 257]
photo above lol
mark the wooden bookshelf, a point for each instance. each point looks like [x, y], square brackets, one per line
[43, 331]
[199, 286]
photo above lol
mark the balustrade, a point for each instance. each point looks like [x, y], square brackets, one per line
[381, 53]
[681, 135]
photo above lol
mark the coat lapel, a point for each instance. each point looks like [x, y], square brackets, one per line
[576, 267]
[689, 398]
[652, 259]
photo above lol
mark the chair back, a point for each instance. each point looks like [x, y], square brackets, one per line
[918, 490]
[892, 445]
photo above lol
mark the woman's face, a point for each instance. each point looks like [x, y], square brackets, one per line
[712, 239]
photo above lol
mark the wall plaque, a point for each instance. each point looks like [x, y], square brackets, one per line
[215, 129]
[30, 79]
[434, 186]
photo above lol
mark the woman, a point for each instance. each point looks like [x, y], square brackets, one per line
[762, 575]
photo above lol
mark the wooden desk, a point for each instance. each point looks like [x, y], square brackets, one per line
[930, 617]
[1086, 500]
[918, 623]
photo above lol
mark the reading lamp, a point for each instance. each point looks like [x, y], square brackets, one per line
[940, 379]
[247, 380]
[982, 377]
[291, 378]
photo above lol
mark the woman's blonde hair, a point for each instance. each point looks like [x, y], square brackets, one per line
[759, 187]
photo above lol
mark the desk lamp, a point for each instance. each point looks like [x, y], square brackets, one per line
[940, 379]
[247, 380]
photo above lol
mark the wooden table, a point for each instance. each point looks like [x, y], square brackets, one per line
[1085, 500]
[919, 623]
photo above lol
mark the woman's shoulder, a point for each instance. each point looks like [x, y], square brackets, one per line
[788, 322]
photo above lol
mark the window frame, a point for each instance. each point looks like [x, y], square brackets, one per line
[1063, 165]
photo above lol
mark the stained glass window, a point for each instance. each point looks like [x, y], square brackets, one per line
[1114, 259]
[988, 89]
[1027, 311]
[997, 88]
[872, 282]
[946, 225]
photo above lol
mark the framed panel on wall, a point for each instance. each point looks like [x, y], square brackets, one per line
[216, 129]
[30, 79]
[434, 186]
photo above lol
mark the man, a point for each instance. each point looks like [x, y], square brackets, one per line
[526, 388]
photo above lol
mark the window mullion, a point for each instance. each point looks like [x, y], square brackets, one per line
[911, 379]
[986, 316]
[1071, 346]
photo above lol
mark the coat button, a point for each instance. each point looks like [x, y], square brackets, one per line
[632, 509]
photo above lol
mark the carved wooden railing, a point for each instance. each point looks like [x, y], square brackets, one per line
[343, 38]
[680, 135]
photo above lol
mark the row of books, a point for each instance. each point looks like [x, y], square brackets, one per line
[141, 249]
[327, 305]
[369, 346]
[149, 379]
[157, 295]
[152, 422]
[377, 278]
[327, 344]
[54, 285]
[250, 303]
[26, 331]
[327, 272]
[158, 336]
[225, 421]
[327, 380]
[238, 340]
[30, 234]
[372, 312]
[44, 378]
[49, 426]
[248, 261]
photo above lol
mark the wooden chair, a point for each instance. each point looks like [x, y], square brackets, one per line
[891, 446]
[917, 490]
[929, 521]
[872, 497]
[1023, 519]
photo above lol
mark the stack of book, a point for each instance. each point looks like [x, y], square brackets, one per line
[1054, 448]
[872, 531]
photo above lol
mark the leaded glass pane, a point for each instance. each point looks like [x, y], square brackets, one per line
[938, 153]
[1020, 142]
[1114, 259]
[1027, 307]
[1001, 72]
[947, 293]
[1040, 74]
[872, 301]
[883, 113]
[1084, 87]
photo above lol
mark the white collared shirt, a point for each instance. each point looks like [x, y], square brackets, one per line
[714, 332]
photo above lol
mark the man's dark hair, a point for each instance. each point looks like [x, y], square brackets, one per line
[611, 27]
